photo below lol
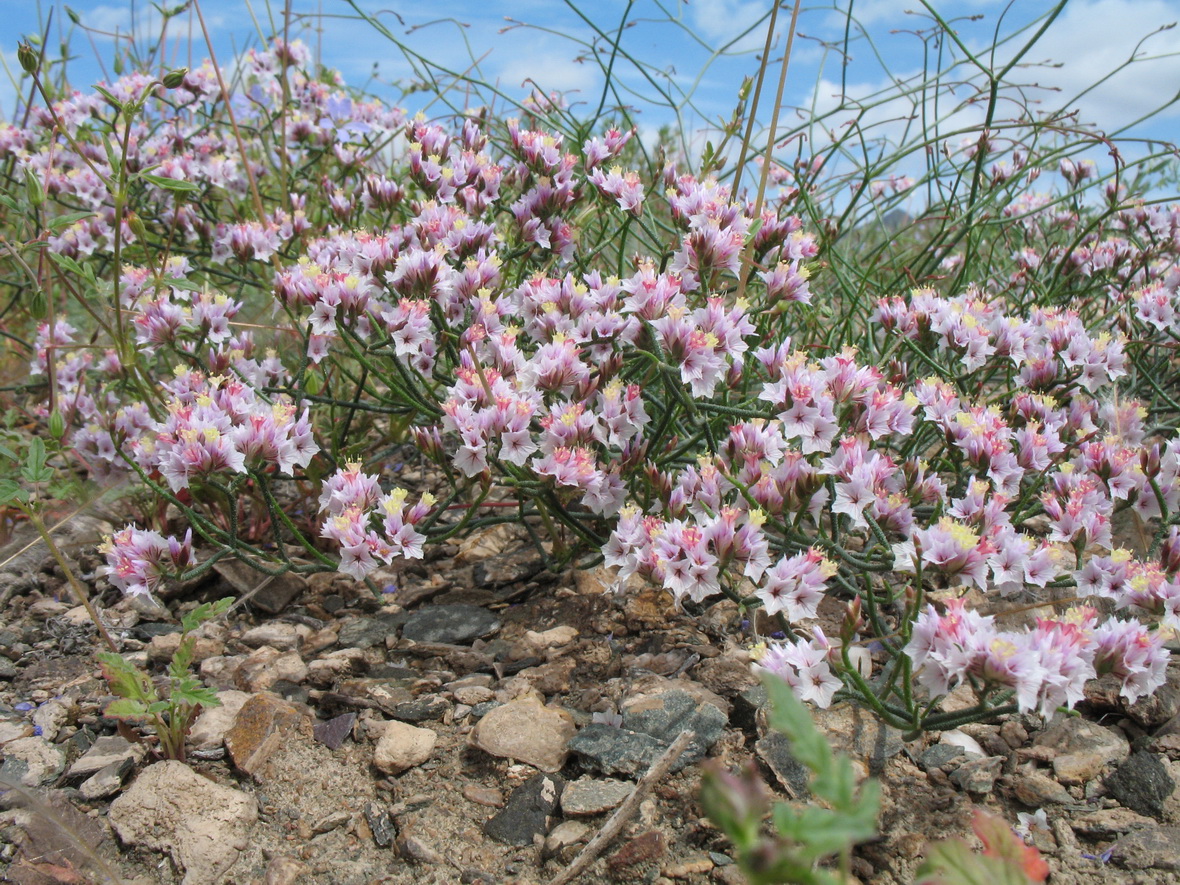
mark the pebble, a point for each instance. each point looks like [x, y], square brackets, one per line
[645, 848]
[666, 714]
[52, 716]
[106, 750]
[285, 870]
[209, 730]
[265, 666]
[202, 825]
[527, 731]
[488, 796]
[1035, 790]
[380, 824]
[403, 746]
[555, 636]
[587, 796]
[330, 822]
[276, 634]
[270, 594]
[1080, 749]
[978, 776]
[163, 647]
[106, 781]
[686, 869]
[373, 630]
[334, 731]
[564, 835]
[616, 750]
[1109, 823]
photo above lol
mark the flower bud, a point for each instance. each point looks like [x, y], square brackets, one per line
[57, 424]
[174, 78]
[136, 224]
[1149, 461]
[28, 58]
[33, 188]
[38, 305]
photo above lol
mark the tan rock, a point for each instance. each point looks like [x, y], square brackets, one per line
[527, 731]
[211, 726]
[403, 746]
[264, 723]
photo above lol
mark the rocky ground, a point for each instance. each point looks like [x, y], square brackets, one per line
[479, 723]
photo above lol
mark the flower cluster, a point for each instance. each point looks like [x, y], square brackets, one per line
[137, 560]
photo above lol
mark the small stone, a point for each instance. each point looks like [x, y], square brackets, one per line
[666, 714]
[413, 848]
[1148, 849]
[587, 796]
[1014, 734]
[488, 796]
[473, 694]
[52, 716]
[330, 822]
[276, 634]
[1149, 711]
[941, 755]
[978, 776]
[14, 730]
[285, 870]
[333, 732]
[528, 811]
[686, 869]
[402, 747]
[208, 732]
[372, 630]
[645, 848]
[775, 750]
[1035, 790]
[265, 666]
[381, 824]
[1142, 783]
[106, 781]
[202, 825]
[264, 724]
[7, 669]
[556, 636]
[564, 835]
[106, 750]
[453, 624]
[527, 731]
[163, 647]
[424, 709]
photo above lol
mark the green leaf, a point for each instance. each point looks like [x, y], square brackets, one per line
[108, 95]
[9, 453]
[205, 612]
[65, 262]
[127, 708]
[171, 184]
[10, 490]
[66, 220]
[159, 707]
[196, 695]
[125, 679]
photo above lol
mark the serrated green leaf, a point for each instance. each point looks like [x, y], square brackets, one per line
[126, 680]
[10, 491]
[170, 184]
[198, 695]
[68, 219]
[126, 708]
[159, 707]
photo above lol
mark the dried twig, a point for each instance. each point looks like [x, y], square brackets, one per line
[612, 827]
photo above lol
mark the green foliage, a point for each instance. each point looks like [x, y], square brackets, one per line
[803, 835]
[170, 706]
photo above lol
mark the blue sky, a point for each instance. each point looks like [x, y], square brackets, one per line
[551, 44]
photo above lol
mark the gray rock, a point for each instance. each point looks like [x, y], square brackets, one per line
[618, 750]
[107, 781]
[941, 755]
[507, 568]
[857, 732]
[1150, 711]
[269, 594]
[978, 776]
[1148, 849]
[7, 669]
[587, 796]
[454, 624]
[1142, 783]
[202, 825]
[528, 812]
[31, 761]
[423, 709]
[664, 716]
[373, 630]
[775, 751]
[107, 750]
[382, 825]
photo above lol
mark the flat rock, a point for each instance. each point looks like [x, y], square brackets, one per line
[14, 729]
[202, 825]
[1148, 849]
[107, 781]
[208, 732]
[403, 746]
[106, 750]
[587, 796]
[527, 731]
[268, 594]
[381, 824]
[645, 848]
[507, 568]
[978, 776]
[556, 636]
[860, 734]
[263, 724]
[422, 709]
[529, 811]
[333, 732]
[1142, 783]
[450, 624]
[1110, 823]
[276, 634]
[617, 750]
[666, 714]
[1035, 790]
[1080, 749]
[31, 761]
[775, 750]
[366, 632]
[161, 648]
